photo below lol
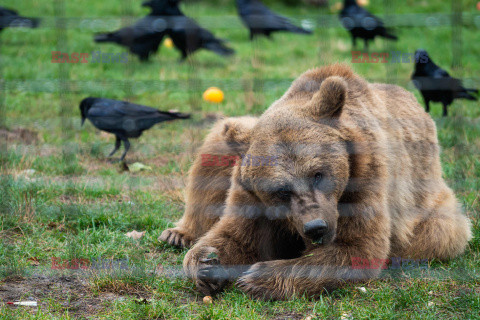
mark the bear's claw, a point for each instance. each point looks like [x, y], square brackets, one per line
[254, 283]
[176, 238]
[212, 279]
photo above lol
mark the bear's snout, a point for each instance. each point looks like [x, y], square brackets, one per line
[315, 229]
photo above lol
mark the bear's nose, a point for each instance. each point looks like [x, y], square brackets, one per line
[315, 229]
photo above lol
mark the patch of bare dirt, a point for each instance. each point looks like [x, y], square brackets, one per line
[25, 136]
[72, 292]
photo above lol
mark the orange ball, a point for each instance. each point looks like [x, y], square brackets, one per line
[478, 5]
[363, 3]
[213, 94]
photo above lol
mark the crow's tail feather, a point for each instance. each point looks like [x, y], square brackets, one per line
[296, 29]
[219, 48]
[465, 95]
[35, 22]
[179, 115]
[388, 35]
[172, 115]
[104, 37]
[21, 22]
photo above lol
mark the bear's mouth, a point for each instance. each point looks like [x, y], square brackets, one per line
[326, 239]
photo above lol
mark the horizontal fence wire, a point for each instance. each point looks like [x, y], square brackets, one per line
[311, 21]
[193, 85]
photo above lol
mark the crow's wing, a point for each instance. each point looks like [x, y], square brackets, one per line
[146, 29]
[4, 12]
[120, 116]
[356, 16]
[115, 108]
[10, 18]
[124, 117]
[192, 30]
[206, 36]
[183, 23]
[149, 26]
[257, 15]
[439, 73]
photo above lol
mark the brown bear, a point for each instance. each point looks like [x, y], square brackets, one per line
[357, 176]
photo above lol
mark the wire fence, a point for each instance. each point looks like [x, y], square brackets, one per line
[455, 21]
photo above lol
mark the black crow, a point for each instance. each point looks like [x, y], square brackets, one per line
[142, 38]
[435, 84]
[262, 21]
[362, 24]
[123, 119]
[9, 18]
[186, 34]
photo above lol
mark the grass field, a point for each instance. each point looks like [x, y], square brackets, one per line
[78, 205]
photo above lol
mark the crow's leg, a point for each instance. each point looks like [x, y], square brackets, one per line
[427, 105]
[252, 35]
[144, 57]
[354, 41]
[183, 57]
[117, 146]
[445, 111]
[126, 144]
[366, 44]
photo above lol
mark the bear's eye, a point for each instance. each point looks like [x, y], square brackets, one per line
[317, 182]
[284, 193]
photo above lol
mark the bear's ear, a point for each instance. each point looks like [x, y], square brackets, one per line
[237, 133]
[328, 101]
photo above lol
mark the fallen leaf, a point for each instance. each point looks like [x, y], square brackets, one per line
[135, 234]
[137, 166]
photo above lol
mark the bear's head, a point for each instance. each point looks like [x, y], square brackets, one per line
[296, 159]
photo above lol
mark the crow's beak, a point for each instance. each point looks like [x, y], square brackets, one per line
[146, 4]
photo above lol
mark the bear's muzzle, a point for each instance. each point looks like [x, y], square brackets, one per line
[315, 230]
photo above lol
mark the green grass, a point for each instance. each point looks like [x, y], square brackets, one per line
[78, 205]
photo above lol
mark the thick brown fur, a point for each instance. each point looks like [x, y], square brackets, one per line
[362, 157]
[207, 186]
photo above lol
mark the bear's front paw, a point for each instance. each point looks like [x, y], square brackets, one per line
[203, 265]
[259, 282]
[211, 279]
[176, 237]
